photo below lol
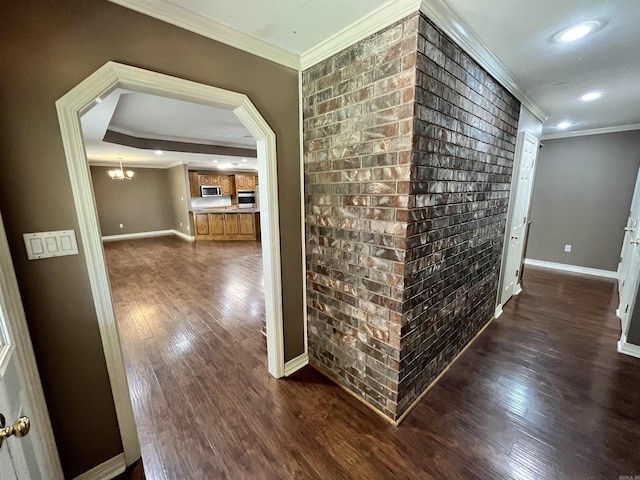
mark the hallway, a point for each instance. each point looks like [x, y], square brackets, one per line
[541, 394]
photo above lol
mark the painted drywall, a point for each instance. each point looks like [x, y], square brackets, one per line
[178, 179]
[47, 49]
[581, 197]
[142, 204]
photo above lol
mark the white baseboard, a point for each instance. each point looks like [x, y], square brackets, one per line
[107, 470]
[517, 290]
[184, 236]
[131, 236]
[571, 268]
[628, 348]
[498, 311]
[296, 364]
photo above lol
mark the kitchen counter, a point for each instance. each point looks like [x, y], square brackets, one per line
[224, 210]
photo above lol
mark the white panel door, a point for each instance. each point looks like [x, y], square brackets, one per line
[32, 457]
[522, 199]
[629, 268]
[632, 231]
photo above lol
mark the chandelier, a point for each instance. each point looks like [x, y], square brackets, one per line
[121, 174]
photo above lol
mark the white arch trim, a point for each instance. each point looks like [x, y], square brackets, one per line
[70, 108]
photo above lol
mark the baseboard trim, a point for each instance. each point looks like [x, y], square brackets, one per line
[442, 373]
[107, 470]
[517, 290]
[628, 348]
[295, 364]
[132, 236]
[184, 236]
[498, 312]
[571, 268]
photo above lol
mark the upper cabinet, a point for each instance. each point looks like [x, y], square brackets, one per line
[194, 184]
[228, 185]
[209, 180]
[246, 182]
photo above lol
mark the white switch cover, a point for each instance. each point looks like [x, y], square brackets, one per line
[567, 248]
[50, 244]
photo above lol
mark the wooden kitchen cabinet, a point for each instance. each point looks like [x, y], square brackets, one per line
[247, 223]
[245, 182]
[227, 185]
[226, 226]
[194, 185]
[201, 223]
[209, 180]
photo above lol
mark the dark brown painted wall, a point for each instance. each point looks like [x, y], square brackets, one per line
[47, 49]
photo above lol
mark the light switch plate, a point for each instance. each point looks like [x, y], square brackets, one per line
[50, 244]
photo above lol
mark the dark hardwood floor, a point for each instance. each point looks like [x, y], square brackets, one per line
[541, 394]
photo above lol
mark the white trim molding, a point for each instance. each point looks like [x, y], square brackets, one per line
[79, 100]
[571, 268]
[107, 470]
[182, 17]
[154, 233]
[303, 215]
[498, 311]
[295, 364]
[380, 18]
[461, 33]
[592, 131]
[628, 348]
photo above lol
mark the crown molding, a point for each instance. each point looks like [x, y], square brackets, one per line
[591, 131]
[210, 28]
[375, 21]
[449, 21]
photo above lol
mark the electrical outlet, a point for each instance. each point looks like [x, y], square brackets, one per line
[122, 225]
[188, 228]
[180, 223]
[181, 198]
[567, 248]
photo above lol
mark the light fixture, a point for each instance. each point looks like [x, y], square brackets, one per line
[215, 161]
[98, 100]
[121, 174]
[587, 97]
[576, 32]
[159, 152]
[564, 125]
[244, 160]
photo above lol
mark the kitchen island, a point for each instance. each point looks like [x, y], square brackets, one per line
[219, 223]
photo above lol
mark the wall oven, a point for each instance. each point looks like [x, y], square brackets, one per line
[210, 191]
[246, 199]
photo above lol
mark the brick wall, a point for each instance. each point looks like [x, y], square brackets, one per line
[465, 134]
[408, 152]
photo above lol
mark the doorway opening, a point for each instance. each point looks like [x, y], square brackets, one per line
[80, 100]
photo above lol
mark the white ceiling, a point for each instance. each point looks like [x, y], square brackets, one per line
[518, 32]
[149, 116]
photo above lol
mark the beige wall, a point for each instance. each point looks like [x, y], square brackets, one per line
[143, 204]
[47, 49]
[179, 190]
[581, 197]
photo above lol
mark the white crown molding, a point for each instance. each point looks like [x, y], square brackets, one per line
[571, 268]
[592, 131]
[105, 163]
[375, 21]
[170, 138]
[461, 33]
[213, 29]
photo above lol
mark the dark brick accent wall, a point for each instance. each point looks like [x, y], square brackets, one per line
[465, 134]
[358, 121]
[408, 154]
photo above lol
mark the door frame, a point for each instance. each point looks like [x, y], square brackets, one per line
[18, 339]
[79, 100]
[515, 188]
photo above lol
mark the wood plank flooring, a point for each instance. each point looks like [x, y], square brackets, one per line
[542, 394]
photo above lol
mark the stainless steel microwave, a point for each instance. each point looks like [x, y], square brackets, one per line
[210, 191]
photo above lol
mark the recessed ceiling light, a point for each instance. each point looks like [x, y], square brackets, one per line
[244, 160]
[587, 97]
[159, 152]
[576, 32]
[215, 161]
[98, 100]
[564, 125]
